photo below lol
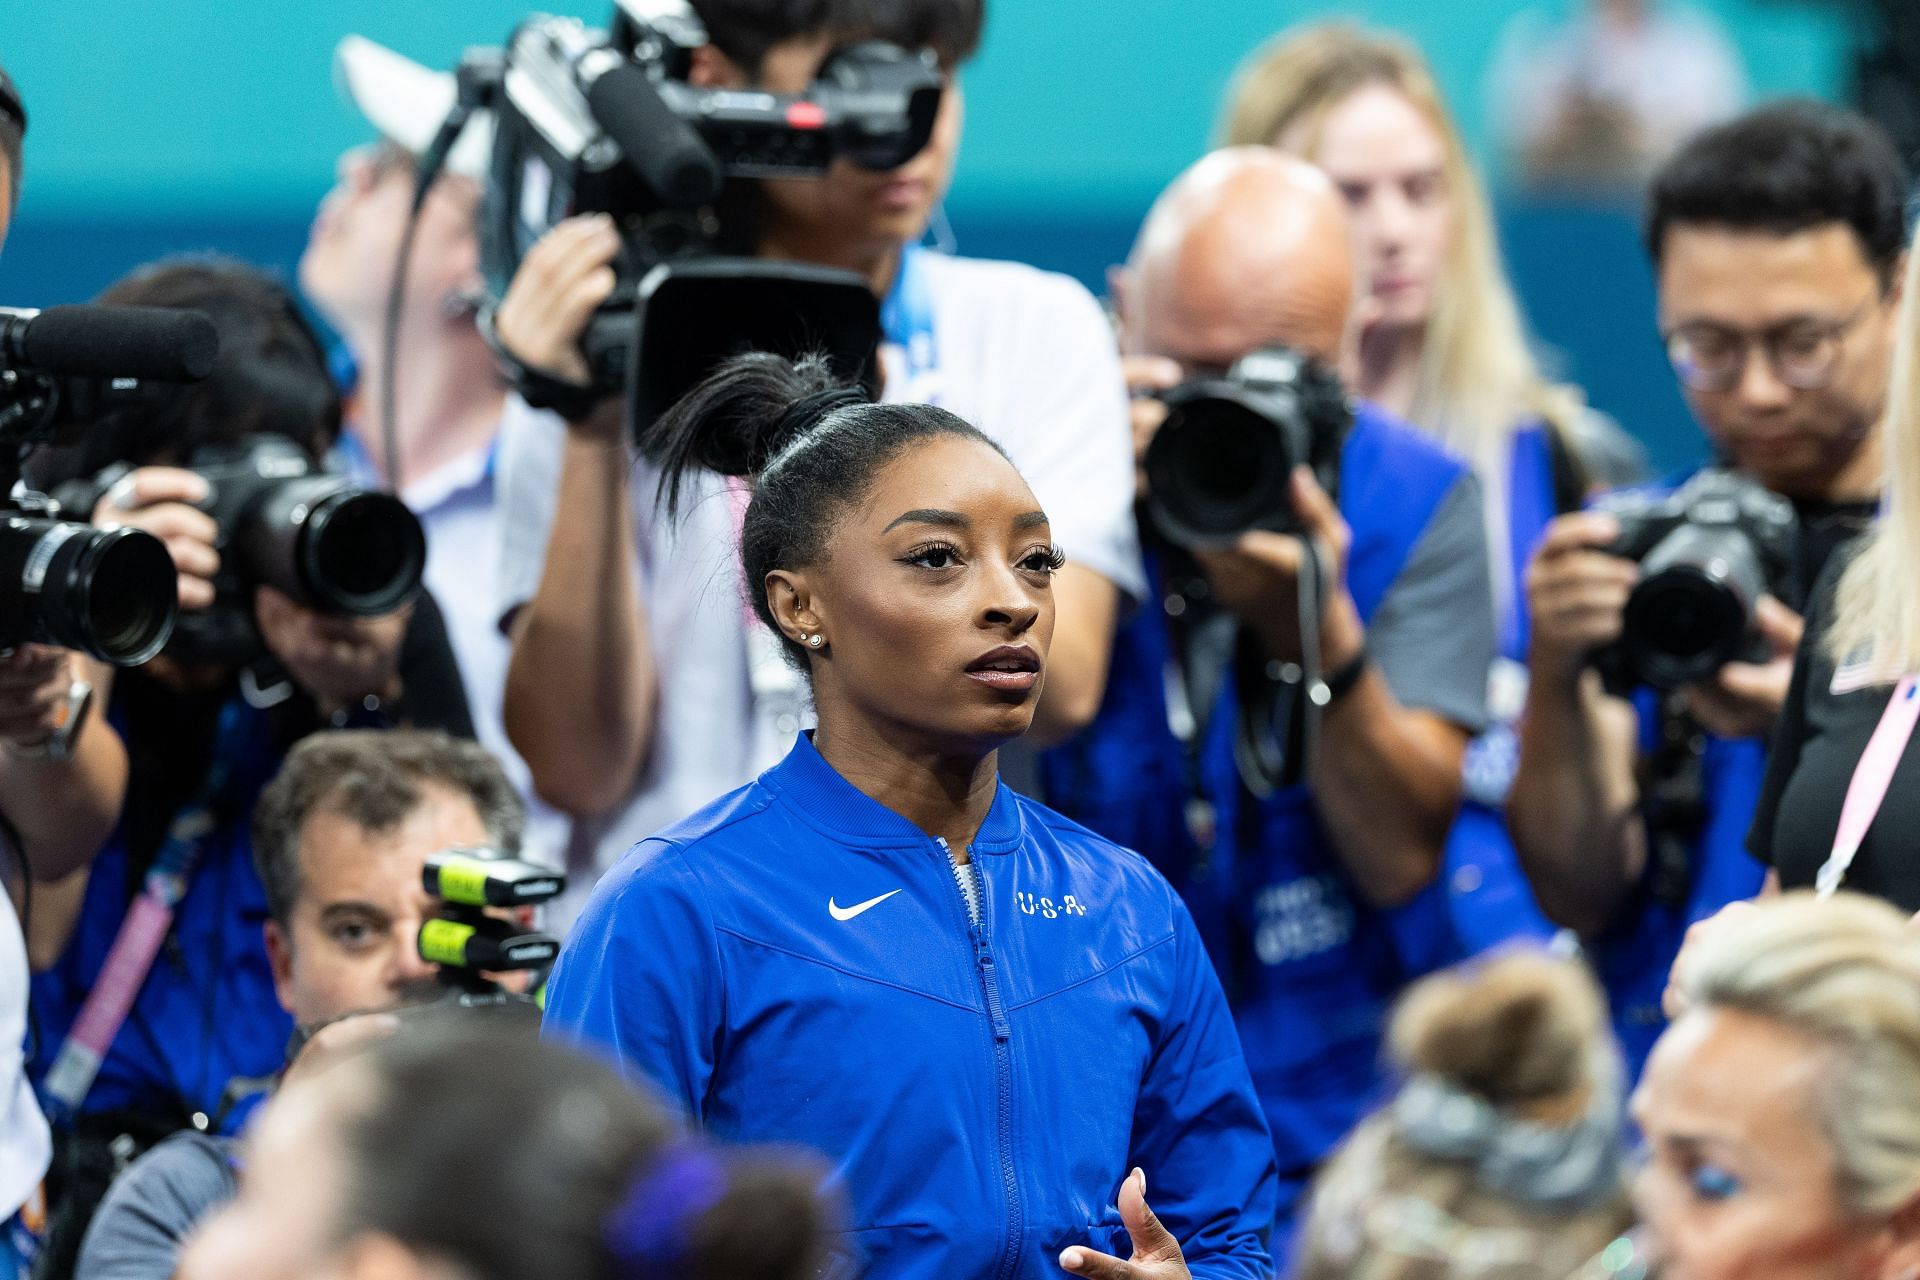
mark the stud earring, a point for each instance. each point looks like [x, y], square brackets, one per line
[815, 640]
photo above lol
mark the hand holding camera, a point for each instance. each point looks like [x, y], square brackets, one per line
[564, 279]
[1258, 577]
[1674, 591]
[162, 501]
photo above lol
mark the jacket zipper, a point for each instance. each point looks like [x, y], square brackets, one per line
[967, 879]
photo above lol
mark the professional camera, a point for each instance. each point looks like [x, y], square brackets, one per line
[105, 592]
[1221, 462]
[465, 941]
[291, 524]
[604, 121]
[1707, 553]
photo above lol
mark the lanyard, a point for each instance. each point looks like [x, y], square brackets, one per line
[906, 320]
[1871, 777]
[147, 922]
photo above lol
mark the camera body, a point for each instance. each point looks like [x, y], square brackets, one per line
[588, 120]
[464, 940]
[1707, 552]
[1222, 462]
[109, 593]
[290, 523]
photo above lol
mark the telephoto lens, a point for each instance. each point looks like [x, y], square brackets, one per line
[1223, 460]
[313, 534]
[110, 593]
[333, 546]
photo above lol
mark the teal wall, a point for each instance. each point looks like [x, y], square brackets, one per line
[198, 106]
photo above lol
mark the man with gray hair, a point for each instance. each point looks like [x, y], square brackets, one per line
[1302, 813]
[340, 837]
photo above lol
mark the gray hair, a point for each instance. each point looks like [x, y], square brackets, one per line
[376, 779]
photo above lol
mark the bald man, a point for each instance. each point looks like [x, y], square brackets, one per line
[1310, 878]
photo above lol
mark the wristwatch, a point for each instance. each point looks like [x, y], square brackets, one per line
[59, 744]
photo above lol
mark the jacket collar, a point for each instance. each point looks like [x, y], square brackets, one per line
[828, 801]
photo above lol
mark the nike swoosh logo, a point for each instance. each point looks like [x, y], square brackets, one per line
[843, 914]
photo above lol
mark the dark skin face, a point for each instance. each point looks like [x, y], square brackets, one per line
[946, 561]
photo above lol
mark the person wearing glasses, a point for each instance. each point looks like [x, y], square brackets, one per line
[1778, 240]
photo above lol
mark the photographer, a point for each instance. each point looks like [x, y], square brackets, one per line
[635, 692]
[247, 673]
[450, 394]
[340, 838]
[1300, 861]
[1777, 239]
[63, 775]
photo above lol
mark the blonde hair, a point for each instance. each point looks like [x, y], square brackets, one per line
[1524, 1031]
[1876, 614]
[1843, 972]
[1478, 379]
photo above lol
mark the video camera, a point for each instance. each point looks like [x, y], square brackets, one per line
[466, 942]
[1708, 551]
[1222, 461]
[605, 121]
[291, 524]
[106, 592]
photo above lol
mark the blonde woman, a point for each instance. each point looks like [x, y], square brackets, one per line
[1441, 345]
[1835, 810]
[1781, 1111]
[1500, 1156]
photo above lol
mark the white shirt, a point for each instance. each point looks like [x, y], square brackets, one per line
[1027, 356]
[456, 504]
[25, 1144]
[1672, 74]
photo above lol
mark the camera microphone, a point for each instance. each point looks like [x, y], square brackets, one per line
[660, 147]
[162, 344]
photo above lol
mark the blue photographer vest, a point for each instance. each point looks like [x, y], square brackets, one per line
[1488, 896]
[206, 1014]
[1309, 967]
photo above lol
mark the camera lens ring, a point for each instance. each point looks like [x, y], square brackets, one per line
[1682, 624]
[360, 552]
[121, 596]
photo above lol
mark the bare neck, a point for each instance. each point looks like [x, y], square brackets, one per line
[449, 403]
[1390, 368]
[945, 794]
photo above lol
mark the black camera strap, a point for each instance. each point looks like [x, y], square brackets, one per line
[1674, 801]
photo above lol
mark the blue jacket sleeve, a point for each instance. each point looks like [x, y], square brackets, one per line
[1198, 1130]
[639, 980]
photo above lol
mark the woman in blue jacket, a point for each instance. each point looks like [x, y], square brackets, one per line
[999, 1027]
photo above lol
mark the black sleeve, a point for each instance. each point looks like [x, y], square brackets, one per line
[435, 696]
[1790, 730]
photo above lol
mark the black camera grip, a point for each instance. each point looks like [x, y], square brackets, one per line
[659, 146]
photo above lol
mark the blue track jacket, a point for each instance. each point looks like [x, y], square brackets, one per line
[983, 1053]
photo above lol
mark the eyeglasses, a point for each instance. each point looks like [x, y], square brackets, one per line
[1803, 353]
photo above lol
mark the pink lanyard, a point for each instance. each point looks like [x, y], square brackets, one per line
[1871, 778]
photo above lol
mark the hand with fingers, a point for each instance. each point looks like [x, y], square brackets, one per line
[1258, 578]
[560, 284]
[1743, 699]
[35, 681]
[1576, 593]
[337, 660]
[1156, 1254]
[162, 501]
